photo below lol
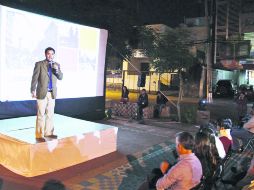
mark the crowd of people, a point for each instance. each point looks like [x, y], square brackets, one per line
[200, 161]
[199, 156]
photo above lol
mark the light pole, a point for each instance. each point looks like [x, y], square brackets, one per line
[210, 46]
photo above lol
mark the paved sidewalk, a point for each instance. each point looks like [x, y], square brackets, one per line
[126, 176]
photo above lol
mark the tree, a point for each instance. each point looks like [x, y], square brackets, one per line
[170, 52]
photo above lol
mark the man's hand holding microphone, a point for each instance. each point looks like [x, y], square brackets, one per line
[55, 68]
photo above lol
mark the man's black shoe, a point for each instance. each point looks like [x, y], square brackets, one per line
[51, 136]
[39, 140]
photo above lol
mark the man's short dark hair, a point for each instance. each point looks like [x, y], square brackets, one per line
[53, 184]
[186, 140]
[48, 49]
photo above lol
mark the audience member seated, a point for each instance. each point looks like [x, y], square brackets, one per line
[125, 95]
[241, 136]
[208, 156]
[226, 139]
[211, 131]
[187, 172]
[142, 103]
[53, 184]
[161, 101]
[248, 181]
[224, 127]
[243, 175]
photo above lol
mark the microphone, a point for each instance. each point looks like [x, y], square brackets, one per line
[51, 64]
[54, 67]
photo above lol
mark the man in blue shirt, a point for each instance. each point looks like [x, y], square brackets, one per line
[43, 88]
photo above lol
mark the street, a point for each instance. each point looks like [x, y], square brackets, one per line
[219, 107]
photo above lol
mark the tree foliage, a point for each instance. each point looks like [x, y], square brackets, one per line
[170, 51]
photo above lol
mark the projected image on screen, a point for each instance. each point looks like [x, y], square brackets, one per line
[24, 36]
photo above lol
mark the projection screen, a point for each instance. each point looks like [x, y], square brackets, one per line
[80, 50]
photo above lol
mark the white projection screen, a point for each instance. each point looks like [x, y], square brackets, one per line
[80, 50]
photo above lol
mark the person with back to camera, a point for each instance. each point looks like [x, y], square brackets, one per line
[241, 136]
[208, 156]
[187, 172]
[43, 88]
[142, 103]
[125, 95]
[248, 181]
[224, 127]
[241, 102]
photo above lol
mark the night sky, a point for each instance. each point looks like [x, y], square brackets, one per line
[105, 13]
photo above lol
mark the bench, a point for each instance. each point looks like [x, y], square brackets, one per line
[130, 110]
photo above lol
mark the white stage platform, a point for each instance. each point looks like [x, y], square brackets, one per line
[78, 141]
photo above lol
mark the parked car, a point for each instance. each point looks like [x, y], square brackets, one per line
[224, 88]
[247, 90]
